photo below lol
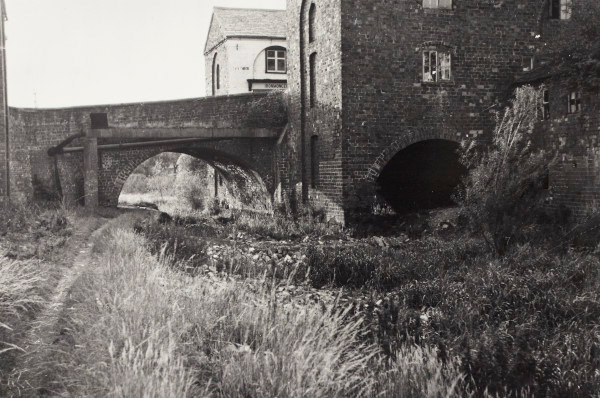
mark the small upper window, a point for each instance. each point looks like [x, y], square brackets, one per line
[546, 105]
[560, 9]
[527, 64]
[437, 4]
[218, 77]
[276, 60]
[436, 66]
[574, 102]
[311, 22]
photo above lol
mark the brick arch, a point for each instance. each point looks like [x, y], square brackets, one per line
[403, 141]
[117, 166]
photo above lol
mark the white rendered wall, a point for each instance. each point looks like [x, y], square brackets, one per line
[240, 60]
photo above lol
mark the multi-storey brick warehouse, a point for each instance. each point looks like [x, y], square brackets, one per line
[381, 82]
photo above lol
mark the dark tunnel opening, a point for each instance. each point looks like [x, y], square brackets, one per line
[422, 176]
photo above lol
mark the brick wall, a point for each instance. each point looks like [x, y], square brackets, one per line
[575, 180]
[34, 131]
[386, 102]
[324, 118]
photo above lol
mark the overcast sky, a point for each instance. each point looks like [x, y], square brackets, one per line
[83, 52]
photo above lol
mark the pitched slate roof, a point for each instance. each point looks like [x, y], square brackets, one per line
[245, 22]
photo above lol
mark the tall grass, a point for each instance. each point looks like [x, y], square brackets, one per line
[20, 291]
[138, 327]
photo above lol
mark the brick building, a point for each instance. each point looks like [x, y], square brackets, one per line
[382, 93]
[246, 50]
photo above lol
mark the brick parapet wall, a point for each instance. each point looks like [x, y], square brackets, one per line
[34, 131]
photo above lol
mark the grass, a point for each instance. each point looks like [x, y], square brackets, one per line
[138, 327]
[525, 323]
[31, 236]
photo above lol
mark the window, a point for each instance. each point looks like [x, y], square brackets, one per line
[527, 64]
[437, 4]
[313, 79]
[311, 22]
[560, 9]
[218, 77]
[214, 75]
[546, 105]
[276, 60]
[436, 66]
[574, 102]
[314, 161]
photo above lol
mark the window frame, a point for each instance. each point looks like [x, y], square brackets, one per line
[276, 58]
[560, 9]
[527, 66]
[545, 104]
[443, 66]
[573, 102]
[435, 4]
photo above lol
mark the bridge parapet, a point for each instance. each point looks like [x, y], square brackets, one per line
[88, 130]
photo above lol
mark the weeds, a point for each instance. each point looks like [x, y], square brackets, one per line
[138, 327]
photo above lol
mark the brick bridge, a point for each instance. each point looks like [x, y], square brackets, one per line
[95, 149]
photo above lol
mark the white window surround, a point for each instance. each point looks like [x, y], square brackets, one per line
[560, 9]
[437, 4]
[574, 104]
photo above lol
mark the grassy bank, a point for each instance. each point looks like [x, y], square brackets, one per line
[31, 238]
[137, 327]
[526, 322]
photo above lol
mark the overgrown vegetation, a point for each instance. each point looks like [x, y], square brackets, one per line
[504, 186]
[138, 327]
[29, 237]
[270, 111]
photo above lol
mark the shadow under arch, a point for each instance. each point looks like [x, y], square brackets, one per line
[242, 179]
[422, 175]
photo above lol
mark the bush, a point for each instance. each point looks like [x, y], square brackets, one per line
[192, 188]
[269, 112]
[388, 268]
[504, 186]
[136, 183]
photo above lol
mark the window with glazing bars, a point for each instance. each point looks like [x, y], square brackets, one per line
[276, 61]
[436, 66]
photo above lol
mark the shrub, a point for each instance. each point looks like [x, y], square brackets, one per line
[270, 111]
[388, 268]
[504, 185]
[136, 183]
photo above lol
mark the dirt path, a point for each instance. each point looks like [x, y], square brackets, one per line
[45, 332]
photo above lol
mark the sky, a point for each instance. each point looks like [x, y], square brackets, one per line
[85, 52]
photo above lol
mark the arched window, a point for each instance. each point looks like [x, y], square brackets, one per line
[214, 75]
[313, 79]
[276, 60]
[218, 77]
[311, 22]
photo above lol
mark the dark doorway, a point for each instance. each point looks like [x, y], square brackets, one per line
[422, 176]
